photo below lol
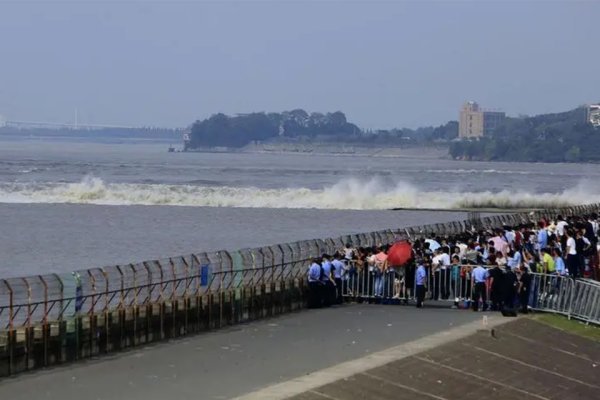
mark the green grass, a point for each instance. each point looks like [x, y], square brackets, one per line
[571, 326]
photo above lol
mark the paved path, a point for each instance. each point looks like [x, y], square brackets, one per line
[235, 361]
[524, 359]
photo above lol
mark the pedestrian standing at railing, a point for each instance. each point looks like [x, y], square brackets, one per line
[445, 273]
[480, 276]
[497, 286]
[420, 282]
[349, 252]
[436, 268]
[510, 290]
[455, 277]
[524, 289]
[314, 284]
[465, 281]
[327, 281]
[583, 246]
[571, 252]
[592, 235]
[339, 270]
[380, 270]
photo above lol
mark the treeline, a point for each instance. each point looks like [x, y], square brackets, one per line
[238, 131]
[221, 130]
[560, 137]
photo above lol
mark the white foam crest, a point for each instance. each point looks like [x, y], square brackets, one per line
[354, 194]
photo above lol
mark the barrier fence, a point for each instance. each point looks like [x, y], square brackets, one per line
[548, 292]
[55, 318]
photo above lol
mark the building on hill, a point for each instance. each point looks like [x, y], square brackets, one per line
[593, 115]
[474, 122]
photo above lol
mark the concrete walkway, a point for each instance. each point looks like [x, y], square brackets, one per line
[235, 361]
[524, 359]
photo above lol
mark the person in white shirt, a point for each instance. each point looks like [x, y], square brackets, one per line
[571, 252]
[561, 224]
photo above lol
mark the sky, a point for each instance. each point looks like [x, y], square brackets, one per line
[383, 63]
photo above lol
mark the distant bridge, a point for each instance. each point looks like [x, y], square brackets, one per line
[70, 125]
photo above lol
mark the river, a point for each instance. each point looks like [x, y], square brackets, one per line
[73, 204]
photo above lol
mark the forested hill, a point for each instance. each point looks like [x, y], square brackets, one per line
[560, 137]
[227, 131]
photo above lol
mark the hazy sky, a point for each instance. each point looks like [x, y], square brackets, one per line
[384, 63]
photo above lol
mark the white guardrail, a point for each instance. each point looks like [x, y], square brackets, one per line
[574, 298]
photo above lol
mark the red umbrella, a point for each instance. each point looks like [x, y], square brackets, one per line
[400, 253]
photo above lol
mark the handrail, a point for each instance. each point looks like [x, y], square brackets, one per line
[40, 299]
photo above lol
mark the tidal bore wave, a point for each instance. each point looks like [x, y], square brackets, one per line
[351, 194]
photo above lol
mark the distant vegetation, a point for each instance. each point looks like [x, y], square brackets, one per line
[561, 137]
[298, 125]
[238, 131]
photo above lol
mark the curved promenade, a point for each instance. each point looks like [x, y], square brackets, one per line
[241, 359]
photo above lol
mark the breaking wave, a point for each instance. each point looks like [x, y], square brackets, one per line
[352, 194]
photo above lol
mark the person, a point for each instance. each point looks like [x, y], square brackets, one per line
[559, 263]
[314, 284]
[510, 290]
[327, 281]
[515, 259]
[501, 259]
[496, 294]
[349, 252]
[445, 273]
[480, 275]
[582, 244]
[339, 269]
[420, 282]
[548, 266]
[571, 250]
[455, 277]
[436, 267]
[542, 236]
[560, 226]
[523, 290]
[465, 281]
[380, 268]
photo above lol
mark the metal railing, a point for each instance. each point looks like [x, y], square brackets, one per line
[574, 298]
[32, 300]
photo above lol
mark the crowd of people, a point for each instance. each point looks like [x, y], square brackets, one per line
[482, 269]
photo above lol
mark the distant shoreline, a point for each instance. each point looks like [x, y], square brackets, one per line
[428, 152]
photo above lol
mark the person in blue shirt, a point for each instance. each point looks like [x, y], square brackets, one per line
[327, 281]
[479, 276]
[514, 259]
[542, 237]
[559, 263]
[420, 282]
[314, 284]
[339, 269]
